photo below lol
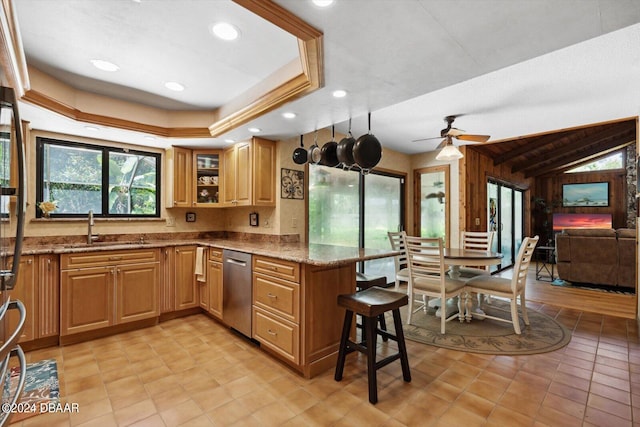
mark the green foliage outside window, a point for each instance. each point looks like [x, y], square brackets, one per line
[73, 176]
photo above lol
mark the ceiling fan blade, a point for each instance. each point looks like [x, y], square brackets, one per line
[455, 132]
[426, 139]
[442, 144]
[473, 138]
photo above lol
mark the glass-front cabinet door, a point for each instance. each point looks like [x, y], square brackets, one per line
[207, 167]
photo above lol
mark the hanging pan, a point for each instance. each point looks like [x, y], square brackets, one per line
[300, 154]
[314, 154]
[345, 150]
[367, 150]
[329, 157]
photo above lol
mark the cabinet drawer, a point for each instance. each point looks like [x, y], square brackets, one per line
[277, 334]
[277, 267]
[277, 296]
[215, 254]
[102, 258]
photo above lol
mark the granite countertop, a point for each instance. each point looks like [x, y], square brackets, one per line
[313, 254]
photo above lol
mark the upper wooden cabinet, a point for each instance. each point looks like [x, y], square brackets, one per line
[193, 177]
[249, 173]
[179, 171]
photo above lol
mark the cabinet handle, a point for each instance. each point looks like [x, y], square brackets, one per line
[270, 295]
[270, 332]
[48, 263]
[29, 261]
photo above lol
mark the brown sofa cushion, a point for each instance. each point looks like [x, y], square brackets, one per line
[627, 233]
[590, 232]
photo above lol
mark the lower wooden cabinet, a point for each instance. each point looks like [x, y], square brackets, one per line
[211, 290]
[124, 289]
[276, 306]
[186, 292]
[37, 288]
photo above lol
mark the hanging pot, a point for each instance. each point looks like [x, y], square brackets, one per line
[345, 149]
[367, 151]
[300, 154]
[329, 156]
[314, 154]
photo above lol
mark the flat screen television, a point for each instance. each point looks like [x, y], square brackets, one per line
[580, 220]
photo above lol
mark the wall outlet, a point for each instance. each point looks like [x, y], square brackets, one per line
[171, 221]
[477, 221]
[266, 223]
[294, 222]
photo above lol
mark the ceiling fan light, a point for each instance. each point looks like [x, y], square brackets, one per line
[448, 153]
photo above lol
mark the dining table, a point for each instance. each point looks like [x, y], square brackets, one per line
[455, 258]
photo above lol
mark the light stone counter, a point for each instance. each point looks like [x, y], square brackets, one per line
[312, 254]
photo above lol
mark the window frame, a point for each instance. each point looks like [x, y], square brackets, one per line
[105, 152]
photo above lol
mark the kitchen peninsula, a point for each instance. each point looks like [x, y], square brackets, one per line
[294, 313]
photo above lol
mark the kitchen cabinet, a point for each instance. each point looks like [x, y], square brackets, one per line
[186, 291]
[211, 290]
[206, 179]
[25, 290]
[48, 282]
[179, 170]
[193, 177]
[37, 288]
[276, 306]
[102, 289]
[249, 177]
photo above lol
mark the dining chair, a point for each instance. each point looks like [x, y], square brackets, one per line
[396, 238]
[509, 288]
[475, 240]
[428, 277]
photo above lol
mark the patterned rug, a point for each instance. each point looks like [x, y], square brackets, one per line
[41, 386]
[487, 336]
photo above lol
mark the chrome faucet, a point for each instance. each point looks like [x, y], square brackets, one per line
[90, 223]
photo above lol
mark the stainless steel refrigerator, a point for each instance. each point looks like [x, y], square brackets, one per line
[12, 208]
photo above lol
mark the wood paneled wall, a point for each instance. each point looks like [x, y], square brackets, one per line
[478, 168]
[550, 189]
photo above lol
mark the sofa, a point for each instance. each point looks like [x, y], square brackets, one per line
[597, 256]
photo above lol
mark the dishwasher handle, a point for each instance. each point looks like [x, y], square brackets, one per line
[236, 262]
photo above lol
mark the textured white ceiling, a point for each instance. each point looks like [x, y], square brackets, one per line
[512, 67]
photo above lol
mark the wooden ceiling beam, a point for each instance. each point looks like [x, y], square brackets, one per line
[577, 147]
[578, 156]
[533, 144]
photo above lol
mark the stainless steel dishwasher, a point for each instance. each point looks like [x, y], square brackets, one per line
[236, 301]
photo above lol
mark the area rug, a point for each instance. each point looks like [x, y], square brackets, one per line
[488, 336]
[41, 386]
[591, 287]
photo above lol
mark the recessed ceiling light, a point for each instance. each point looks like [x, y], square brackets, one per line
[92, 128]
[229, 141]
[289, 115]
[339, 93]
[254, 130]
[225, 31]
[150, 138]
[174, 86]
[103, 65]
[322, 3]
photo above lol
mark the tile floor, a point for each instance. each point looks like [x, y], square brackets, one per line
[194, 372]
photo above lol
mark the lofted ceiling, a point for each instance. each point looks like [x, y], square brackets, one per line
[557, 152]
[512, 68]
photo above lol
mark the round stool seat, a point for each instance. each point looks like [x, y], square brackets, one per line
[373, 301]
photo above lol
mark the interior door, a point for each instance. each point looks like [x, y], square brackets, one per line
[432, 190]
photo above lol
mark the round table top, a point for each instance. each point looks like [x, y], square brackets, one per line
[473, 254]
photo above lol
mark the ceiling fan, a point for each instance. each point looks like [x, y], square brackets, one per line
[449, 151]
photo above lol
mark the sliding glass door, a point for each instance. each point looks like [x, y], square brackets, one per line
[350, 209]
[432, 190]
[506, 217]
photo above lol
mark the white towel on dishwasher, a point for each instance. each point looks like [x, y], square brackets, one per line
[200, 268]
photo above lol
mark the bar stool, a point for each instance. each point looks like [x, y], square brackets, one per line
[371, 303]
[366, 281]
